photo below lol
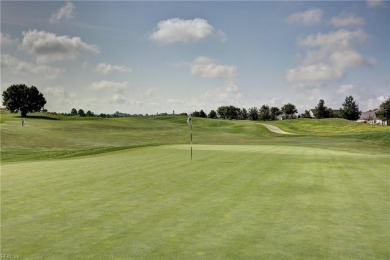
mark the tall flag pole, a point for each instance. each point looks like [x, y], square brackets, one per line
[189, 121]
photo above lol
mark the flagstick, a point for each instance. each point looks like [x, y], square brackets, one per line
[189, 122]
[191, 142]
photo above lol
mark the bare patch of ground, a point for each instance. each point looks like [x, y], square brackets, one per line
[276, 129]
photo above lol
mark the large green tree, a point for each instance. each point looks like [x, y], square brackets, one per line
[253, 113]
[321, 111]
[90, 113]
[73, 112]
[23, 99]
[81, 113]
[212, 114]
[264, 113]
[243, 114]
[384, 111]
[289, 109]
[202, 114]
[275, 111]
[228, 112]
[350, 109]
[306, 114]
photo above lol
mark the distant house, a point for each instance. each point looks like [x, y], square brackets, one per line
[284, 116]
[370, 117]
[336, 112]
[312, 113]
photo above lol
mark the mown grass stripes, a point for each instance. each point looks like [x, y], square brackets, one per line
[231, 201]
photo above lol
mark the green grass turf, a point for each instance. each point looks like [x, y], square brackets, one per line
[68, 137]
[231, 201]
[46, 136]
[125, 188]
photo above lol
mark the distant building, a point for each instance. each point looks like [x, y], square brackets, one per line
[284, 116]
[370, 117]
[312, 113]
[336, 112]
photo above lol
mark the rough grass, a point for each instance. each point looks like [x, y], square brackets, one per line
[330, 126]
[72, 136]
[59, 137]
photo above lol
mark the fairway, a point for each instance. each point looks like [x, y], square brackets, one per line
[232, 201]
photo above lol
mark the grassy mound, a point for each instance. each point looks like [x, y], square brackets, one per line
[46, 136]
[72, 136]
[330, 126]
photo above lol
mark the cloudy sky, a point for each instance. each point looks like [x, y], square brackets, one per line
[154, 57]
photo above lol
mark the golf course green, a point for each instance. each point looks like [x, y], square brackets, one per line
[126, 188]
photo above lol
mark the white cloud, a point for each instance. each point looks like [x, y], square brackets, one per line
[344, 88]
[6, 40]
[58, 92]
[307, 17]
[345, 19]
[373, 103]
[315, 56]
[105, 68]
[60, 100]
[208, 68]
[348, 58]
[150, 92]
[381, 99]
[66, 12]
[334, 40]
[118, 99]
[222, 36]
[314, 74]
[375, 3]
[332, 55]
[48, 47]
[179, 30]
[228, 93]
[110, 85]
[17, 66]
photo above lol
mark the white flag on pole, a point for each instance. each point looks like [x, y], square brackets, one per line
[189, 121]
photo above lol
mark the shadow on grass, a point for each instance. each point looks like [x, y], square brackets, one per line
[38, 117]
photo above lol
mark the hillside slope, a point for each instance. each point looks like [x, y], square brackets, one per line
[45, 136]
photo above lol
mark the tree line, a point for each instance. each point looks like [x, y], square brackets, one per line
[81, 113]
[263, 113]
[349, 110]
[24, 99]
[235, 113]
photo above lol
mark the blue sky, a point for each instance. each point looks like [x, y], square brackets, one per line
[155, 57]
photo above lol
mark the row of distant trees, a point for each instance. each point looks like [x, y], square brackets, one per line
[253, 113]
[24, 99]
[349, 110]
[81, 113]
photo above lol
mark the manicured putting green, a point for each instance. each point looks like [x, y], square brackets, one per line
[231, 201]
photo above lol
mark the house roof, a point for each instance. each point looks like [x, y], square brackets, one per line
[369, 115]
